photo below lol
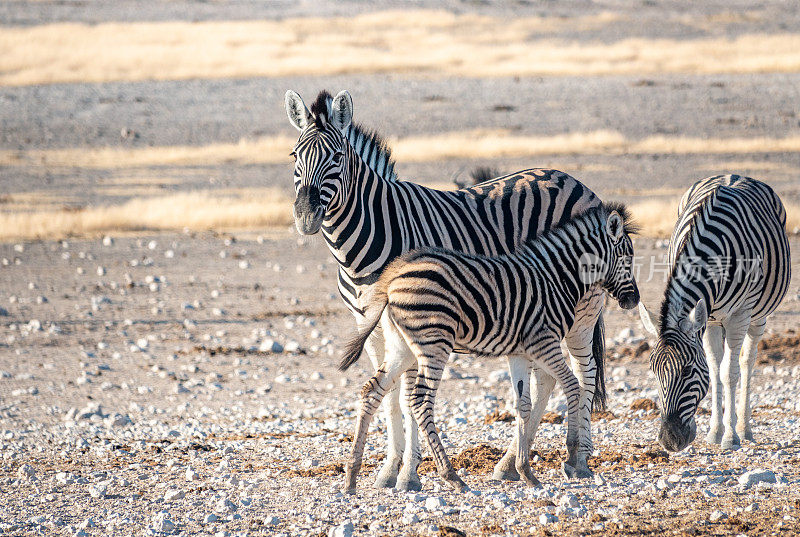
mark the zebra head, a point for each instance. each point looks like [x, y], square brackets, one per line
[619, 281]
[321, 156]
[679, 363]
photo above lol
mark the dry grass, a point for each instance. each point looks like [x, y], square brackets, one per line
[426, 42]
[228, 209]
[475, 144]
[657, 217]
[261, 151]
[253, 208]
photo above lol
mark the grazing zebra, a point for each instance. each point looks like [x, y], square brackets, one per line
[729, 255]
[346, 187]
[520, 304]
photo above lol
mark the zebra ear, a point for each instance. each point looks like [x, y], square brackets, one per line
[342, 110]
[696, 319]
[296, 110]
[614, 226]
[647, 319]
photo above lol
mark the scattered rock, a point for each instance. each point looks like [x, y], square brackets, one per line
[173, 494]
[342, 530]
[754, 477]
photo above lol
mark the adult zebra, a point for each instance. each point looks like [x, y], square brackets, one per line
[730, 262]
[516, 304]
[346, 186]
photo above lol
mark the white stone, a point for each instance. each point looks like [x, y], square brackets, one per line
[434, 503]
[568, 500]
[173, 494]
[717, 515]
[499, 375]
[547, 518]
[27, 471]
[269, 345]
[342, 530]
[224, 505]
[754, 477]
[98, 491]
[161, 523]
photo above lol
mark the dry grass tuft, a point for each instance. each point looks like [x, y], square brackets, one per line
[196, 211]
[430, 42]
[266, 150]
[474, 144]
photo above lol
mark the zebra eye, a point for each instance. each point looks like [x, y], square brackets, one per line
[687, 371]
[337, 158]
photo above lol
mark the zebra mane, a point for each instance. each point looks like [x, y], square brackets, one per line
[671, 294]
[373, 150]
[368, 144]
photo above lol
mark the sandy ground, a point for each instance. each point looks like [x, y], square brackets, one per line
[142, 392]
[164, 383]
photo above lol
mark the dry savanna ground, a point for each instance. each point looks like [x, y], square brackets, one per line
[166, 366]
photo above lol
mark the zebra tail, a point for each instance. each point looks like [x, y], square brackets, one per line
[598, 353]
[353, 348]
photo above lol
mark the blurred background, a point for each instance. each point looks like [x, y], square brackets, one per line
[150, 115]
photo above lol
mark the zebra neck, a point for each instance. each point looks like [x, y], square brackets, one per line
[558, 256]
[358, 231]
[692, 277]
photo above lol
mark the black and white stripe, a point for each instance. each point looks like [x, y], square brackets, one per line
[347, 187]
[729, 254]
[521, 304]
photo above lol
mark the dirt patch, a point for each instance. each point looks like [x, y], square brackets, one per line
[645, 404]
[329, 470]
[498, 416]
[782, 348]
[625, 353]
[552, 417]
[603, 415]
[449, 531]
[480, 459]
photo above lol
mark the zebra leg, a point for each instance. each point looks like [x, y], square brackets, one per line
[523, 407]
[371, 395]
[735, 331]
[387, 475]
[747, 359]
[713, 343]
[430, 364]
[505, 469]
[541, 388]
[547, 353]
[579, 343]
[408, 479]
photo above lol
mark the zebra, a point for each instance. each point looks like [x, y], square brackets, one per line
[346, 187]
[730, 269]
[519, 304]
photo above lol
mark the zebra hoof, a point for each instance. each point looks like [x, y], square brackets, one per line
[386, 479]
[576, 472]
[505, 474]
[746, 435]
[408, 485]
[731, 442]
[529, 479]
[458, 484]
[714, 437]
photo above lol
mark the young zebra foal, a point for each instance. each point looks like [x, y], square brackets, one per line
[519, 304]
